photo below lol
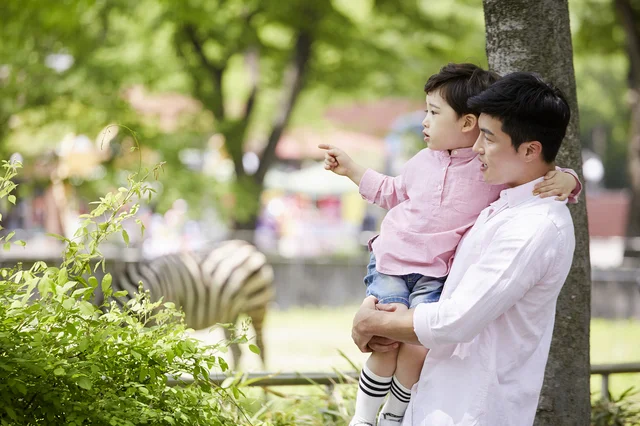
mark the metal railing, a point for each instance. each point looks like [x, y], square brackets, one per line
[605, 370]
[331, 379]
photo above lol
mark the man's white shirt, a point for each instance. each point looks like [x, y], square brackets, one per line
[490, 333]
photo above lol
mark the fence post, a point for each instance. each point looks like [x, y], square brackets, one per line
[604, 387]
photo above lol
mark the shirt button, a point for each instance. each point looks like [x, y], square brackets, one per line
[444, 169]
[439, 187]
[454, 152]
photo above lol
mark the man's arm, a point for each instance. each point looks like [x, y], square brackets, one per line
[510, 266]
[518, 257]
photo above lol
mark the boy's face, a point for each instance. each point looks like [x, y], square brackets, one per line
[442, 128]
[499, 161]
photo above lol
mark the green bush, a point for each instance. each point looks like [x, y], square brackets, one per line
[64, 360]
[620, 411]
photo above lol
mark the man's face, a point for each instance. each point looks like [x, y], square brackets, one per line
[442, 128]
[499, 161]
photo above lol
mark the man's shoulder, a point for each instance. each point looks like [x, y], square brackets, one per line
[544, 215]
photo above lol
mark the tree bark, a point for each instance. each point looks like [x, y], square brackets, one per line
[525, 35]
[629, 17]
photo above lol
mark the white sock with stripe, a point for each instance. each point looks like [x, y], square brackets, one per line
[393, 411]
[371, 392]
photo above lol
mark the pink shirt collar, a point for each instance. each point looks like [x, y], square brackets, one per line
[456, 153]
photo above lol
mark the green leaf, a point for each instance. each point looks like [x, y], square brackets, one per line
[86, 308]
[84, 382]
[62, 276]
[254, 349]
[12, 199]
[11, 413]
[44, 286]
[21, 243]
[68, 303]
[59, 371]
[57, 237]
[7, 246]
[120, 293]
[93, 282]
[21, 387]
[125, 236]
[106, 282]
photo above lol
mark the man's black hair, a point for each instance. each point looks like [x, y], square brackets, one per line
[529, 108]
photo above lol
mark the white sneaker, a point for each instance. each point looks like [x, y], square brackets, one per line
[388, 419]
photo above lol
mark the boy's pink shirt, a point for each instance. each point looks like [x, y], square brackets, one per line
[435, 200]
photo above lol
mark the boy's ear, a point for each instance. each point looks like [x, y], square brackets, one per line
[469, 122]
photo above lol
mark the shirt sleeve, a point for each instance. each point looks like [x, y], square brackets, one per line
[573, 197]
[382, 190]
[519, 255]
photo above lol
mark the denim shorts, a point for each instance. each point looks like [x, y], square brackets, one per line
[410, 289]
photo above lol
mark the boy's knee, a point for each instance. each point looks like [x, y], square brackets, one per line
[412, 353]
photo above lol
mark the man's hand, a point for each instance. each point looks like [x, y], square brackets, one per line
[363, 321]
[556, 183]
[382, 344]
[341, 164]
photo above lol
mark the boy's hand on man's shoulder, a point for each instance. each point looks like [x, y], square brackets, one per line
[555, 183]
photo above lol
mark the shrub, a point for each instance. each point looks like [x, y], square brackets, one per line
[621, 411]
[64, 360]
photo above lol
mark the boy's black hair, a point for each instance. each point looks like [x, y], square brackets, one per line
[459, 82]
[529, 108]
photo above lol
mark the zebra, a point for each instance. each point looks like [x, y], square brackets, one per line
[214, 285]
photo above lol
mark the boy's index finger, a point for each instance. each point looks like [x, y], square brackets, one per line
[325, 146]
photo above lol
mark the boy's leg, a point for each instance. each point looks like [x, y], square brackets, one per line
[410, 357]
[374, 384]
[409, 365]
[375, 378]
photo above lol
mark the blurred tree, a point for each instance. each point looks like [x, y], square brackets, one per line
[49, 67]
[249, 63]
[535, 36]
[628, 12]
[282, 50]
[610, 28]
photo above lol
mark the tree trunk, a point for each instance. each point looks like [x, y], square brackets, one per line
[525, 35]
[629, 17]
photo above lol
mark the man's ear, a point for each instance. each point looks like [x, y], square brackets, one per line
[469, 122]
[531, 150]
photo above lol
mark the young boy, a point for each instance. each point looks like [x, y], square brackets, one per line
[432, 203]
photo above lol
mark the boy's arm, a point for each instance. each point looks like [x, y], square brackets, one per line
[564, 184]
[382, 190]
[375, 187]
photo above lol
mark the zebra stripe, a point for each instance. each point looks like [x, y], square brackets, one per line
[215, 285]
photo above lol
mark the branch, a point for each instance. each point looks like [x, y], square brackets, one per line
[294, 81]
[253, 62]
[216, 72]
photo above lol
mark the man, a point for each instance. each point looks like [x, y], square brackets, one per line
[489, 335]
